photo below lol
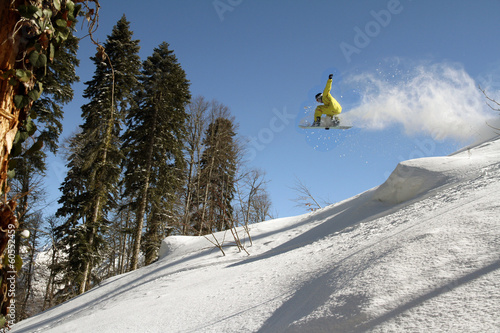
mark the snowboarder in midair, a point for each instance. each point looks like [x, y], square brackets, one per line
[330, 105]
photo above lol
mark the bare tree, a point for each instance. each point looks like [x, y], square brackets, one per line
[253, 200]
[304, 196]
[261, 205]
[55, 253]
[27, 302]
[197, 123]
[496, 106]
[493, 104]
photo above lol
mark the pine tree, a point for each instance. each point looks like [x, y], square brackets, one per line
[57, 91]
[90, 189]
[70, 232]
[31, 33]
[153, 143]
[30, 167]
[217, 177]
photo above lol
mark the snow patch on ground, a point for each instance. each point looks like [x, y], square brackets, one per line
[181, 245]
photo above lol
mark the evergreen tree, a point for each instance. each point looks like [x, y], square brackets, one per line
[30, 166]
[153, 143]
[160, 214]
[90, 189]
[57, 91]
[217, 177]
[60, 75]
[70, 232]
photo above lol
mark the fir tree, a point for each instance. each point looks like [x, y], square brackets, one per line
[217, 177]
[153, 143]
[70, 232]
[57, 91]
[90, 189]
[30, 166]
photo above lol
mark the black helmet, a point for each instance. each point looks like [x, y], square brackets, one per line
[319, 96]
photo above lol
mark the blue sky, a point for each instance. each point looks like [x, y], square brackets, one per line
[405, 72]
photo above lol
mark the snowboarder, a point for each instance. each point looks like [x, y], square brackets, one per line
[330, 105]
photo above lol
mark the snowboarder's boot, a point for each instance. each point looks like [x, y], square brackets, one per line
[335, 120]
[317, 122]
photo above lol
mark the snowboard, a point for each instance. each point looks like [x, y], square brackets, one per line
[325, 126]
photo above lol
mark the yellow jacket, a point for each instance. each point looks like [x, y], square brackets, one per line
[330, 105]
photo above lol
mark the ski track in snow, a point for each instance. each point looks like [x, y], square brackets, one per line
[425, 259]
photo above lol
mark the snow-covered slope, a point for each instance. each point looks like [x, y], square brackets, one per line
[420, 253]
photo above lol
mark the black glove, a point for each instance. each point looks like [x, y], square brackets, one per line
[330, 76]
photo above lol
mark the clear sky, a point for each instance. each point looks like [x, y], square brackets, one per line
[406, 73]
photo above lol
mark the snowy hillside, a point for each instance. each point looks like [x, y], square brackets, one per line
[420, 253]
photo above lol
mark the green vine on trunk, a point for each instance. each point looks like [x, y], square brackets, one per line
[41, 29]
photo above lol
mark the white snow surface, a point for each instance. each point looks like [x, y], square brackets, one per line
[420, 253]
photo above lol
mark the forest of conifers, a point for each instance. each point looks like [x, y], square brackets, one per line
[148, 161]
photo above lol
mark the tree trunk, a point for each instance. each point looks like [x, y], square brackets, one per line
[189, 191]
[10, 47]
[9, 115]
[97, 181]
[90, 244]
[144, 197]
[140, 224]
[49, 289]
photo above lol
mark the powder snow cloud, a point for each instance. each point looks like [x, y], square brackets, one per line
[440, 100]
